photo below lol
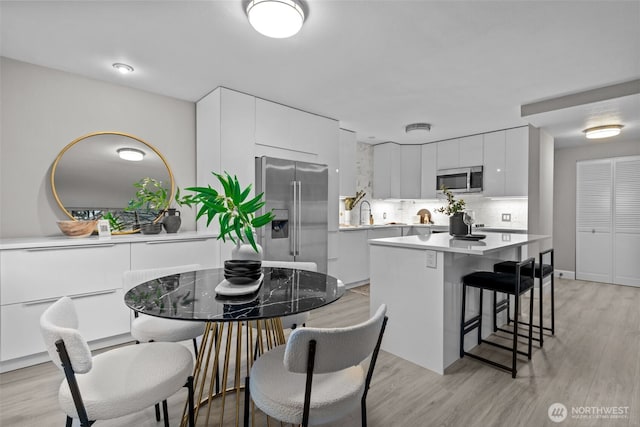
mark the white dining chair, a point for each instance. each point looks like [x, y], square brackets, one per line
[307, 381]
[149, 328]
[115, 383]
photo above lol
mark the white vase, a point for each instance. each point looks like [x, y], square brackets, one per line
[245, 251]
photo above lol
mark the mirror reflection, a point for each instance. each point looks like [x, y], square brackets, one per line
[92, 178]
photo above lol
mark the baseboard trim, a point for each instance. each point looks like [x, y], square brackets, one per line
[565, 274]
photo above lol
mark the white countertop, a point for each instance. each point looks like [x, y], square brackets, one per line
[64, 241]
[443, 242]
[368, 227]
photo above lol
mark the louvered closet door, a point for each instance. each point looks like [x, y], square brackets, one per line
[594, 259]
[626, 252]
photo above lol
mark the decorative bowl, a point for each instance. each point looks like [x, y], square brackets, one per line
[151, 228]
[78, 229]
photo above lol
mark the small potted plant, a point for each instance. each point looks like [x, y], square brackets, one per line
[236, 214]
[150, 201]
[455, 210]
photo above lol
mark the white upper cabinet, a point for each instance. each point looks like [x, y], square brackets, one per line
[289, 128]
[506, 163]
[461, 152]
[428, 171]
[494, 163]
[410, 171]
[517, 162]
[386, 171]
[470, 151]
[448, 154]
[347, 149]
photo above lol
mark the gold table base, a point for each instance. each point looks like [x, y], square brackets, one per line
[259, 336]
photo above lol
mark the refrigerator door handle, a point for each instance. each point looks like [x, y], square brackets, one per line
[294, 228]
[299, 219]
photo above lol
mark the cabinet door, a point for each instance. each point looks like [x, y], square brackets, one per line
[170, 253]
[494, 164]
[43, 273]
[517, 162]
[353, 259]
[470, 149]
[626, 219]
[410, 171]
[448, 154]
[347, 163]
[428, 171]
[283, 127]
[100, 315]
[381, 233]
[386, 171]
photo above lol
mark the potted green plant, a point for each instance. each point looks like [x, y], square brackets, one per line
[151, 200]
[454, 209]
[236, 215]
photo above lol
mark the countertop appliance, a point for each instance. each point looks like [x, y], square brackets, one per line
[460, 180]
[297, 192]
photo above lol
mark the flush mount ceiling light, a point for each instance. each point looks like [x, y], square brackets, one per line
[275, 18]
[123, 68]
[417, 126]
[600, 132]
[131, 154]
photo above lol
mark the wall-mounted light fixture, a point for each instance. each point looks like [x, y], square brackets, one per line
[599, 132]
[275, 18]
[131, 154]
[123, 68]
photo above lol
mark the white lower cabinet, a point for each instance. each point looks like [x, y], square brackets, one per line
[101, 314]
[170, 253]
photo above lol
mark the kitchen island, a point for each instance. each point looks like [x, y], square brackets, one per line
[420, 280]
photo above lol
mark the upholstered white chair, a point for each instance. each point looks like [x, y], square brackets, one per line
[114, 383]
[320, 375]
[148, 328]
[300, 319]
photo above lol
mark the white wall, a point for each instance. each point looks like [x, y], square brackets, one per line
[45, 109]
[564, 200]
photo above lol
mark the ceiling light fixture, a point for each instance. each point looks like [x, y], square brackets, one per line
[417, 126]
[123, 68]
[600, 132]
[131, 154]
[278, 19]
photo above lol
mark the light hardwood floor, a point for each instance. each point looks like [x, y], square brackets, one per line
[591, 362]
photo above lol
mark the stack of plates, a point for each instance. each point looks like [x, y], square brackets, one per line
[242, 272]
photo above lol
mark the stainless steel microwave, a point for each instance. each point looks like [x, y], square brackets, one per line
[460, 180]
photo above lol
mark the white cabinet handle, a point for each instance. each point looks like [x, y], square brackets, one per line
[77, 296]
[57, 248]
[160, 242]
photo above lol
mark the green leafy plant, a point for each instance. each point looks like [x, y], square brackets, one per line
[150, 196]
[115, 223]
[453, 206]
[235, 214]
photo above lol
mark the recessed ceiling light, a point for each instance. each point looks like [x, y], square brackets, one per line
[599, 132]
[417, 126]
[278, 19]
[131, 154]
[123, 68]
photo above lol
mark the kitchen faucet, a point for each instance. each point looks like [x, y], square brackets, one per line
[363, 202]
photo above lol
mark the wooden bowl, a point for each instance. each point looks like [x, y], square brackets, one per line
[78, 229]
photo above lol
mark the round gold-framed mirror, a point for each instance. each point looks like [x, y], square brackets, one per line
[92, 179]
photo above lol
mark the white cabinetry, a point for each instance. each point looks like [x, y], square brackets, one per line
[428, 171]
[171, 253]
[386, 171]
[506, 163]
[347, 160]
[410, 171]
[461, 152]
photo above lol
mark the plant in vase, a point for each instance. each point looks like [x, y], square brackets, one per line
[236, 215]
[455, 210]
[150, 201]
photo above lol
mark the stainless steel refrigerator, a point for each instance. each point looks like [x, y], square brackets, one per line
[297, 193]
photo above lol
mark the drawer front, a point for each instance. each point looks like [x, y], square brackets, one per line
[43, 273]
[205, 252]
[100, 315]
